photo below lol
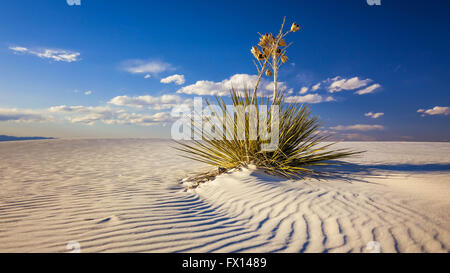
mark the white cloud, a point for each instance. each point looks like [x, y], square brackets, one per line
[237, 81]
[146, 67]
[79, 109]
[315, 87]
[90, 115]
[204, 88]
[268, 87]
[161, 118]
[325, 132]
[374, 115]
[162, 102]
[148, 76]
[20, 115]
[303, 90]
[59, 55]
[437, 110]
[338, 84]
[310, 98]
[87, 93]
[358, 127]
[178, 79]
[355, 137]
[18, 48]
[368, 89]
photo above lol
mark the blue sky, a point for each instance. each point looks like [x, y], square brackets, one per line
[80, 71]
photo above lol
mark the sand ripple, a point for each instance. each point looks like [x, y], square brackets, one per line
[125, 196]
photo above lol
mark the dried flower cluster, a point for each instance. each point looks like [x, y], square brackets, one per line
[270, 54]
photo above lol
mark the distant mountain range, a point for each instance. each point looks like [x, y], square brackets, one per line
[14, 138]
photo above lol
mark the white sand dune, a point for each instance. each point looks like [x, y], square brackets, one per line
[125, 196]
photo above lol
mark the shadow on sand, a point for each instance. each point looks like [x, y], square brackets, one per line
[356, 172]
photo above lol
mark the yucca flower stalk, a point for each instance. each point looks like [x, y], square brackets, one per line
[272, 52]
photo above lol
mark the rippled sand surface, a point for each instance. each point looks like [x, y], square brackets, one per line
[125, 196]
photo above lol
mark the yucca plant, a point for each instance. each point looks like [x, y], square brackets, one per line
[239, 138]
